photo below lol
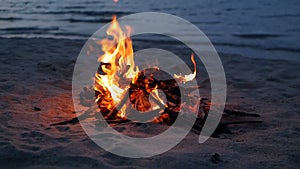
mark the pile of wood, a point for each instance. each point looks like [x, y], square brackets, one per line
[138, 97]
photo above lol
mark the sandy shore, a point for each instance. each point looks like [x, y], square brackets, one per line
[38, 73]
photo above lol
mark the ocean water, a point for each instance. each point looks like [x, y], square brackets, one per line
[258, 28]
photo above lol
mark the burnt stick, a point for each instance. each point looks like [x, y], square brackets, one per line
[116, 109]
[156, 101]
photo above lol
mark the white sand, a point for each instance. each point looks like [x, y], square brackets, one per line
[38, 72]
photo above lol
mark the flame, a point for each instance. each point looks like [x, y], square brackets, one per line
[118, 68]
[156, 95]
[118, 55]
[190, 77]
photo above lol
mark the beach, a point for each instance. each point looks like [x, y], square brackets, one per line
[36, 91]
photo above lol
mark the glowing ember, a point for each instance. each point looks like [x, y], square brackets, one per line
[118, 72]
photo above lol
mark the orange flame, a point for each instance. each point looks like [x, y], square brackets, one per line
[118, 66]
[118, 55]
[190, 77]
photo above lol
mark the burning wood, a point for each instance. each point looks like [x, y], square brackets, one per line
[118, 73]
[120, 87]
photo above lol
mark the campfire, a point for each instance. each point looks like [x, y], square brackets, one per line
[124, 93]
[118, 77]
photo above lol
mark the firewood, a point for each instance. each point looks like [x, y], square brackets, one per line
[157, 101]
[146, 116]
[117, 121]
[124, 98]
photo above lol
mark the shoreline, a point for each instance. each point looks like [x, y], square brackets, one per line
[83, 40]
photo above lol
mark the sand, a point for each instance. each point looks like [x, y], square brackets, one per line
[35, 91]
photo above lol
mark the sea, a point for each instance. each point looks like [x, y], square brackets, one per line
[258, 28]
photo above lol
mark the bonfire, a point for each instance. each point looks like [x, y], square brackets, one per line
[118, 77]
[124, 93]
